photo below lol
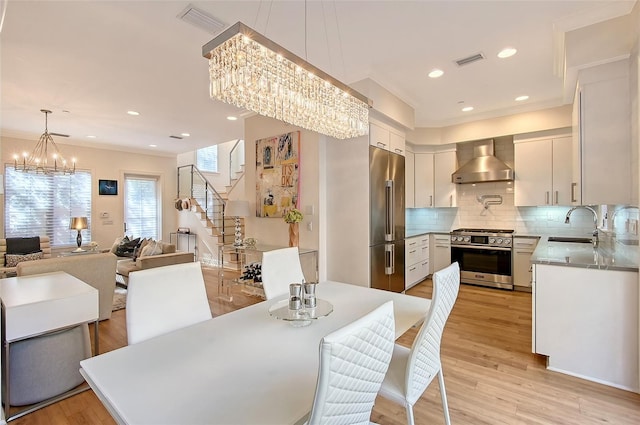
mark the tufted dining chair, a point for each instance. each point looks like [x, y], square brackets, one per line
[164, 299]
[412, 370]
[353, 363]
[280, 268]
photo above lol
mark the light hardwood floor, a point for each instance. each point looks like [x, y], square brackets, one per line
[490, 373]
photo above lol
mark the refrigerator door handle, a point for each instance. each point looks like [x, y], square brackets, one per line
[389, 260]
[388, 214]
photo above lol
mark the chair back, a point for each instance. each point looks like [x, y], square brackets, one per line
[163, 299]
[424, 358]
[353, 364]
[280, 268]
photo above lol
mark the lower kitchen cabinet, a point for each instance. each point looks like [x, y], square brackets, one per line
[522, 268]
[440, 251]
[416, 260]
[586, 321]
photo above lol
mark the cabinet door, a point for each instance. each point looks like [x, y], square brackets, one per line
[522, 271]
[379, 137]
[445, 164]
[424, 180]
[440, 252]
[397, 143]
[562, 172]
[409, 180]
[533, 163]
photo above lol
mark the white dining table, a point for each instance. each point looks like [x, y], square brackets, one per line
[243, 367]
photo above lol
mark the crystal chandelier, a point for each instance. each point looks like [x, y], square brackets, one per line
[249, 71]
[45, 157]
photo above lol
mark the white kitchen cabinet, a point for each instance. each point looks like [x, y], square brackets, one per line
[385, 138]
[424, 184]
[409, 180]
[522, 268]
[543, 172]
[586, 321]
[440, 249]
[445, 164]
[602, 150]
[416, 260]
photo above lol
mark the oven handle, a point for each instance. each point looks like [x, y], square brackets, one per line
[485, 248]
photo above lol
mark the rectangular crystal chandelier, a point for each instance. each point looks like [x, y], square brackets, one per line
[249, 71]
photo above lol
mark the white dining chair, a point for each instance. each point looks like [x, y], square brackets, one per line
[353, 362]
[163, 299]
[280, 268]
[412, 370]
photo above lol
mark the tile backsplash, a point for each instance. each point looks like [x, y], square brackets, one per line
[472, 213]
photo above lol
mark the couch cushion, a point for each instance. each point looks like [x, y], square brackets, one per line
[124, 267]
[152, 248]
[11, 260]
[126, 247]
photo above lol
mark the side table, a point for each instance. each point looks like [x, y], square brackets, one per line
[42, 304]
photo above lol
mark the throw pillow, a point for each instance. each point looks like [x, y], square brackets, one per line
[152, 248]
[140, 247]
[126, 247]
[12, 260]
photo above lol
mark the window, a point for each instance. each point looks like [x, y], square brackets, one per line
[207, 159]
[142, 207]
[41, 205]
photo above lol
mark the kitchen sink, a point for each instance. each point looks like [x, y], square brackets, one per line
[568, 239]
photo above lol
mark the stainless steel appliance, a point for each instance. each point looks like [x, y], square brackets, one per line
[386, 179]
[484, 256]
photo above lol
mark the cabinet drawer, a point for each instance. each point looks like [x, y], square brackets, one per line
[412, 255]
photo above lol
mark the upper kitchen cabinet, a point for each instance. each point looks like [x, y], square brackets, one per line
[543, 171]
[386, 138]
[445, 164]
[424, 183]
[602, 149]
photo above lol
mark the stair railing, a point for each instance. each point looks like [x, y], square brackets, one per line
[236, 161]
[193, 184]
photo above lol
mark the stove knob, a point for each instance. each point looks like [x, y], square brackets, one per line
[507, 241]
[492, 240]
[467, 238]
[453, 238]
[499, 241]
[460, 238]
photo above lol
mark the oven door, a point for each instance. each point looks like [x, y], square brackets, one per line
[487, 266]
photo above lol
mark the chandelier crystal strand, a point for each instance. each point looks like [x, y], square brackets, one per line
[275, 83]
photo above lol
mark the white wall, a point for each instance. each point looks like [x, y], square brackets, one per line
[111, 165]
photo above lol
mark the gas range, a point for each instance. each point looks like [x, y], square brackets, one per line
[482, 237]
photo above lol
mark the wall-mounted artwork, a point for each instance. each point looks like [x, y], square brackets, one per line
[277, 174]
[107, 187]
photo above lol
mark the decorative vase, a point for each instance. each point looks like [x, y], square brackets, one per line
[294, 234]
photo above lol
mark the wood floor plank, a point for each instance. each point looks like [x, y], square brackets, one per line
[490, 373]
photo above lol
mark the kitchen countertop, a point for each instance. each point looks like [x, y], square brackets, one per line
[615, 256]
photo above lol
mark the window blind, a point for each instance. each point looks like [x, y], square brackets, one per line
[207, 159]
[142, 207]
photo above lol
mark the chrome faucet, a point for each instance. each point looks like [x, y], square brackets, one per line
[594, 235]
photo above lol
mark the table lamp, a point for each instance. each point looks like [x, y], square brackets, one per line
[78, 223]
[237, 209]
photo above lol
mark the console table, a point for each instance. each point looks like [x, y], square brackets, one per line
[41, 304]
[241, 256]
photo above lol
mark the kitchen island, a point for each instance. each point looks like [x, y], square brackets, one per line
[585, 310]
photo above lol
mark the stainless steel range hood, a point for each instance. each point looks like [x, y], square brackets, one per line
[484, 167]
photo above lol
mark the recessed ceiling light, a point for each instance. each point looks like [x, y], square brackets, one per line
[435, 73]
[507, 52]
[232, 118]
[521, 98]
[91, 136]
[467, 109]
[133, 113]
[153, 146]
[185, 134]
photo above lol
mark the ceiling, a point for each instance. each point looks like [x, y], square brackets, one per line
[92, 61]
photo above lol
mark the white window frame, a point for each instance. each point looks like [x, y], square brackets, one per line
[131, 228]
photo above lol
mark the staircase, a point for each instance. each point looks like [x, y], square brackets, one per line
[209, 204]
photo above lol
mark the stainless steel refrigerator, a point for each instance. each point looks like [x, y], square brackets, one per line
[387, 219]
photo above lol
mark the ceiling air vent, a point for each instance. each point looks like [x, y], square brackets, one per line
[201, 19]
[175, 137]
[470, 59]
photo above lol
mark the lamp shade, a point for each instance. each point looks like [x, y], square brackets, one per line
[237, 209]
[78, 223]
